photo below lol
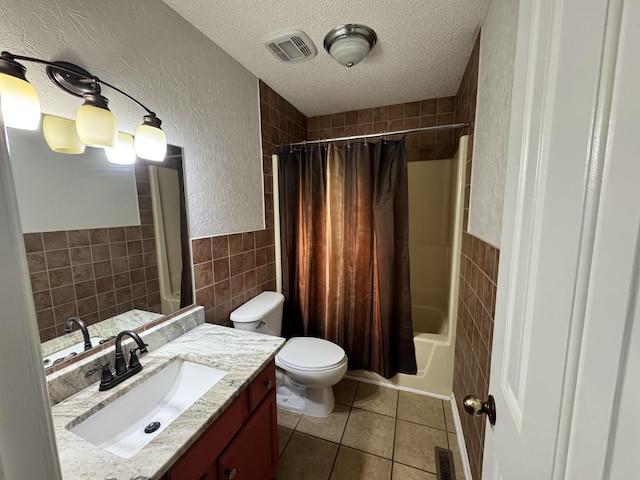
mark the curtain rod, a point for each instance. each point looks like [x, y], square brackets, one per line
[383, 134]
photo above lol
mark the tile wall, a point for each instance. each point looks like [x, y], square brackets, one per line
[425, 113]
[476, 299]
[94, 273]
[231, 269]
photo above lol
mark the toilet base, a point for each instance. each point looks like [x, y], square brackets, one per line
[314, 402]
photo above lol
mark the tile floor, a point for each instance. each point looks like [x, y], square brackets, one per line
[374, 433]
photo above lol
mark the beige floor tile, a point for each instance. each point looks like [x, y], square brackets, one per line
[306, 458]
[370, 432]
[457, 458]
[414, 445]
[403, 472]
[421, 409]
[448, 417]
[354, 465]
[345, 390]
[288, 419]
[382, 400]
[329, 428]
[284, 434]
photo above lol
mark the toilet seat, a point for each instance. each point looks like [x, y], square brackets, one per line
[308, 354]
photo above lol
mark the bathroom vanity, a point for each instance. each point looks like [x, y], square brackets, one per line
[230, 432]
[242, 443]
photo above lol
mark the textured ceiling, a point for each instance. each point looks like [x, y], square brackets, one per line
[423, 47]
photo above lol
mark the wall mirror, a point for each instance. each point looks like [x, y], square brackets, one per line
[107, 244]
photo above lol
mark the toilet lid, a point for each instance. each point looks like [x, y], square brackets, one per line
[308, 353]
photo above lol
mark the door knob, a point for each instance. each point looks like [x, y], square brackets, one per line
[474, 406]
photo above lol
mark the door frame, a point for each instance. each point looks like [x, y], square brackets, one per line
[565, 66]
[27, 439]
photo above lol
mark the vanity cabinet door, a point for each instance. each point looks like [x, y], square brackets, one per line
[253, 455]
[199, 462]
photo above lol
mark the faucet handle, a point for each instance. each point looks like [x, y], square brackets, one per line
[106, 377]
[133, 359]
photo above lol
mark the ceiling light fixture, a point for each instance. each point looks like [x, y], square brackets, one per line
[349, 44]
[95, 125]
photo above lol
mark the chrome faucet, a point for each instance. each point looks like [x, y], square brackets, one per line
[83, 327]
[108, 379]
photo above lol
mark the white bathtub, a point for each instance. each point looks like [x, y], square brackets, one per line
[434, 355]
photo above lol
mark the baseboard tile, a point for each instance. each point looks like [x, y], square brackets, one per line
[461, 443]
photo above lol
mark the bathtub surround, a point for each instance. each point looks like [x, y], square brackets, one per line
[231, 269]
[345, 251]
[477, 295]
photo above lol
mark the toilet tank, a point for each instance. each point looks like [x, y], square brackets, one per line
[261, 314]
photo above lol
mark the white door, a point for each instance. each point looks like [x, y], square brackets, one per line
[573, 60]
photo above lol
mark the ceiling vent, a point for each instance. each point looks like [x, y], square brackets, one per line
[292, 46]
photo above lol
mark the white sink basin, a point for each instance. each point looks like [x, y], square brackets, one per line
[119, 427]
[76, 348]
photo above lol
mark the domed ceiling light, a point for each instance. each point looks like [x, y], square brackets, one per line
[349, 44]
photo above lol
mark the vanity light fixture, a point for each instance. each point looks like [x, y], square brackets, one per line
[61, 135]
[349, 44]
[95, 125]
[124, 153]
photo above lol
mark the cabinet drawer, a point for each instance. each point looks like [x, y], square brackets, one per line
[199, 458]
[262, 384]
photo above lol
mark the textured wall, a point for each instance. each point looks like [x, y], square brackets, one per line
[208, 102]
[495, 76]
[477, 293]
[231, 269]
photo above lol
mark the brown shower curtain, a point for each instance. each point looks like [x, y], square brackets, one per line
[345, 254]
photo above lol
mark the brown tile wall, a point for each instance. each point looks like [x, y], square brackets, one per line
[425, 113]
[231, 269]
[476, 299]
[94, 273]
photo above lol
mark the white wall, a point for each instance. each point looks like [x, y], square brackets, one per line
[495, 77]
[208, 102]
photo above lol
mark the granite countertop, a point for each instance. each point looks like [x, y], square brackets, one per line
[243, 354]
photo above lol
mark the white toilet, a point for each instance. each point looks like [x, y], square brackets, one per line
[307, 367]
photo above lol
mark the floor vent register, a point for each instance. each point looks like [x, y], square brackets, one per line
[444, 464]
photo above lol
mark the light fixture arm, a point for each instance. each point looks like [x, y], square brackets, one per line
[85, 78]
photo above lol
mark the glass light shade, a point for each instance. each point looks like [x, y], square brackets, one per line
[61, 135]
[96, 126]
[350, 50]
[124, 152]
[20, 104]
[151, 143]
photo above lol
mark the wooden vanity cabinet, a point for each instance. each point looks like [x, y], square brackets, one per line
[242, 444]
